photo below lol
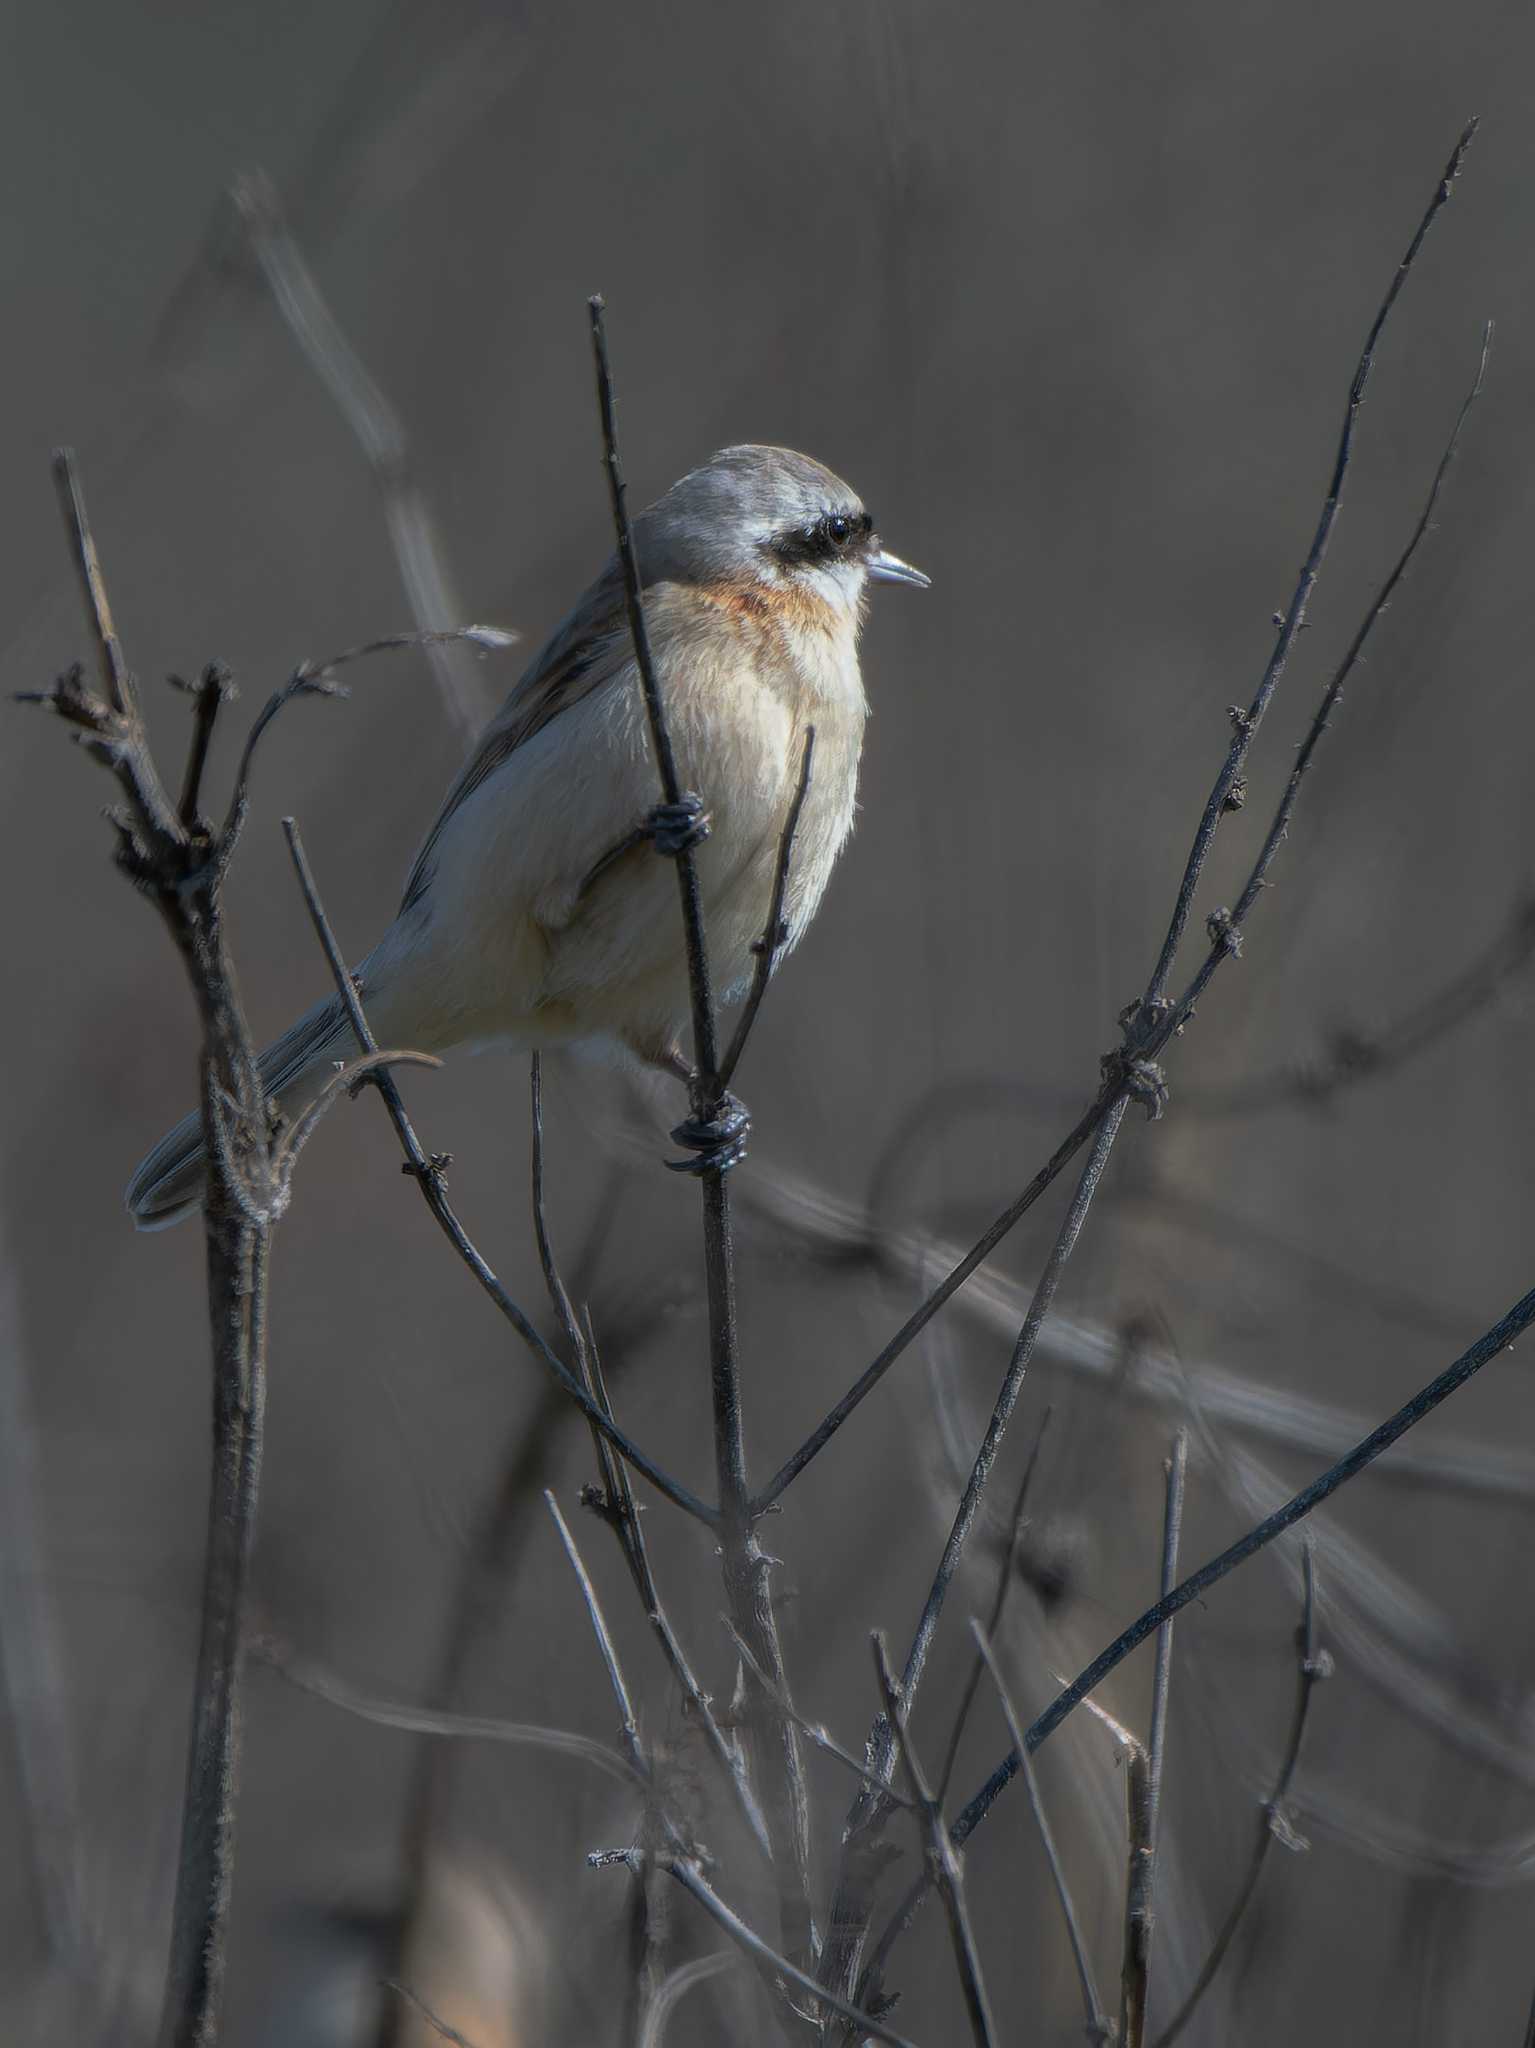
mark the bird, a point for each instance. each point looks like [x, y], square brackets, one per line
[536, 913]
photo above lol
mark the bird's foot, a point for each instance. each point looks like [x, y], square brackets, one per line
[717, 1142]
[676, 828]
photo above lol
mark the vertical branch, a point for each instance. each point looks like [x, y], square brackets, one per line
[180, 865]
[943, 1858]
[1097, 2026]
[1313, 1664]
[778, 1766]
[1139, 1917]
[853, 1902]
[1006, 1573]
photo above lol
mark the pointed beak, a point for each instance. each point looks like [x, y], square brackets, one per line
[888, 568]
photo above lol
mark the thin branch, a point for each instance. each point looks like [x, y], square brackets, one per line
[853, 1899]
[628, 1724]
[624, 1512]
[1490, 1345]
[1023, 1352]
[1097, 2027]
[116, 677]
[693, 1882]
[918, 1321]
[182, 873]
[1140, 1888]
[1143, 1868]
[1152, 1021]
[778, 1774]
[775, 933]
[1313, 1665]
[1007, 1566]
[427, 1171]
[317, 679]
[814, 1731]
[1226, 927]
[943, 1860]
[704, 1050]
[559, 1298]
[213, 690]
[1246, 723]
[1139, 1854]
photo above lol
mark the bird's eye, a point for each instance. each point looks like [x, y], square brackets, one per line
[839, 530]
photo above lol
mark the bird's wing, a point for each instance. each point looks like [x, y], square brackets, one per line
[584, 653]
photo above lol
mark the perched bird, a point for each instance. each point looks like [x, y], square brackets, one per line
[536, 913]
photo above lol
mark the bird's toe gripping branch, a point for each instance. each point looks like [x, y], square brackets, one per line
[675, 829]
[718, 1142]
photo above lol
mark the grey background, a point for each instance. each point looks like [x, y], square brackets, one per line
[1072, 295]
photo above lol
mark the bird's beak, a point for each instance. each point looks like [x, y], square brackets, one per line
[887, 568]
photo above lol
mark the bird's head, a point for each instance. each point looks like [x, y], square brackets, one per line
[767, 516]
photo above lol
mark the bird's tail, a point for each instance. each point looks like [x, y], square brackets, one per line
[168, 1183]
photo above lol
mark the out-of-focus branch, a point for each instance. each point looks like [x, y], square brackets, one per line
[1494, 1341]
[1313, 1665]
[376, 427]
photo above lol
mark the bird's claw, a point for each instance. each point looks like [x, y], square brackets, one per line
[676, 828]
[717, 1142]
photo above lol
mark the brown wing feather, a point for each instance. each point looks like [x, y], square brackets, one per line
[576, 661]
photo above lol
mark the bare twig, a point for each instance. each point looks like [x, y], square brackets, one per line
[775, 933]
[918, 1321]
[181, 870]
[778, 1773]
[693, 1882]
[427, 1171]
[1007, 1566]
[1150, 1023]
[943, 1861]
[617, 1504]
[1289, 625]
[1097, 2027]
[1487, 1347]
[1129, 1072]
[1225, 927]
[1139, 1853]
[814, 1731]
[1313, 1665]
[628, 1724]
[853, 1899]
[1146, 1803]
[170, 852]
[624, 1512]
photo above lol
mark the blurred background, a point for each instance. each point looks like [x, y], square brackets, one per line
[1073, 297]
